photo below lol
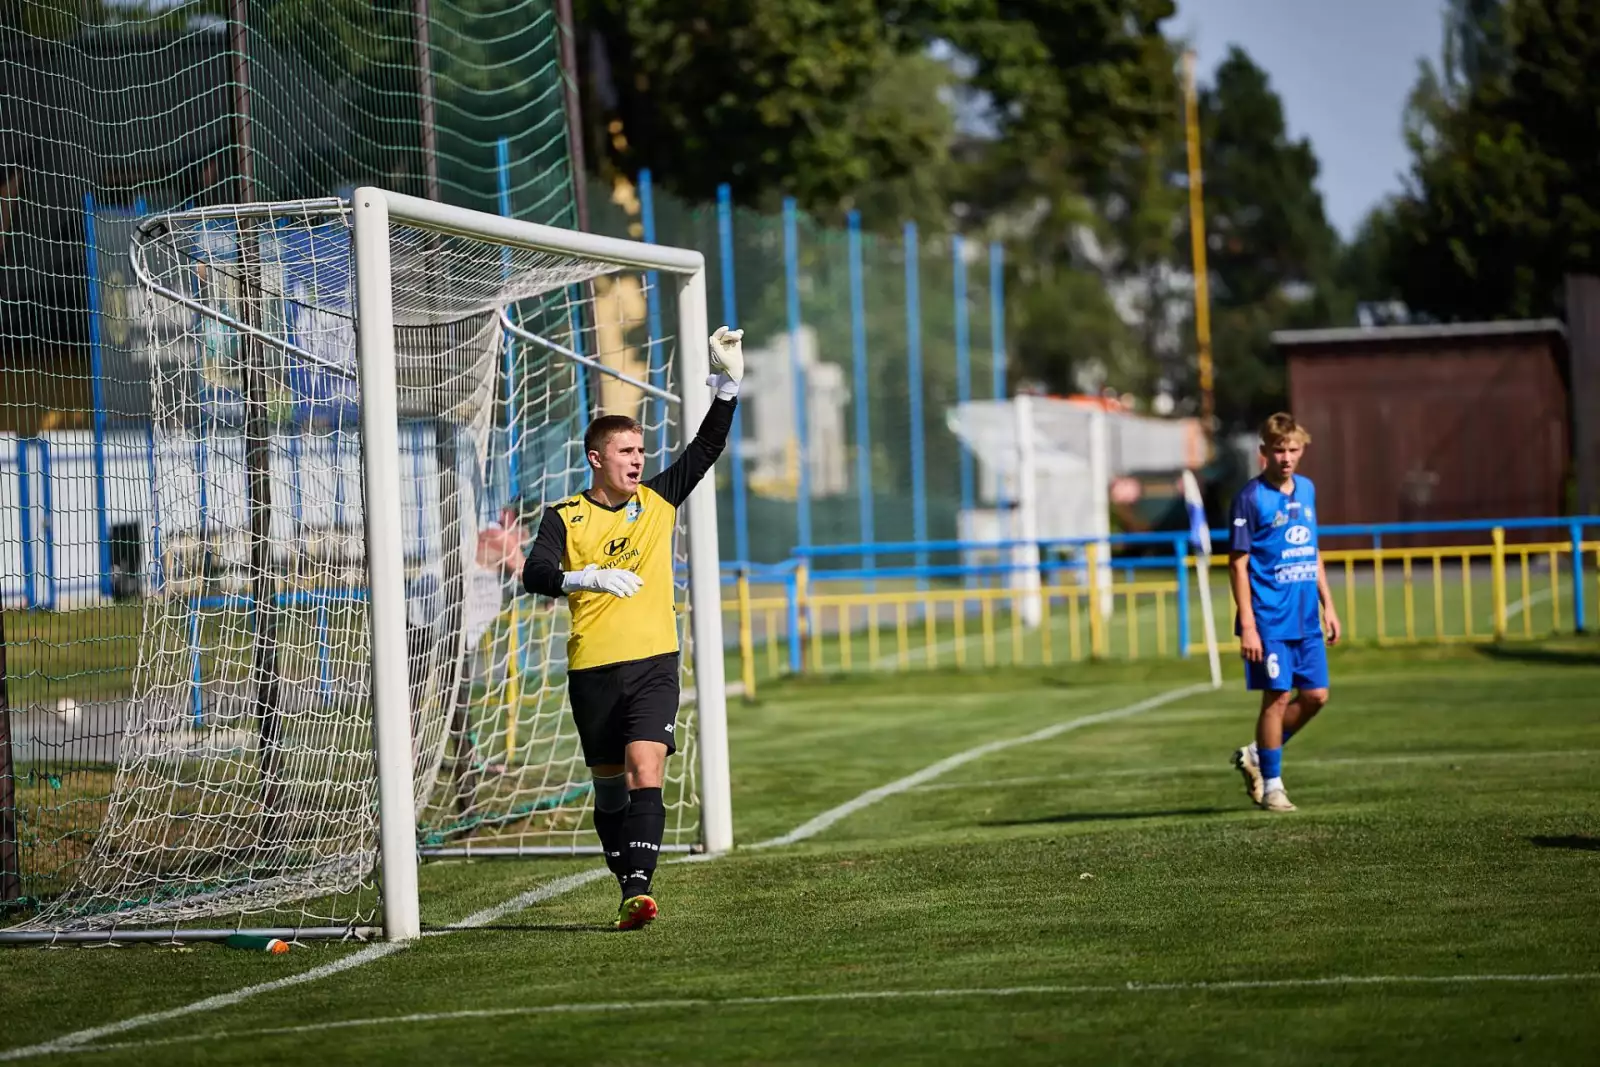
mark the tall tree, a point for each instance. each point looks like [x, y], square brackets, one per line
[825, 99]
[1504, 195]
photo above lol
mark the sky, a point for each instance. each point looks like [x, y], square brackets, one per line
[1343, 69]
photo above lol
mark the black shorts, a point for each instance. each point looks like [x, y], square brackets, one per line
[624, 702]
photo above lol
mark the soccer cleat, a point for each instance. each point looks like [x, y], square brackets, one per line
[1245, 760]
[636, 912]
[1277, 800]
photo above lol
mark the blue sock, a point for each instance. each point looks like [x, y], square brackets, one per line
[1271, 762]
[1287, 733]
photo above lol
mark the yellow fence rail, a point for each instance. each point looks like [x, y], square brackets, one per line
[1385, 596]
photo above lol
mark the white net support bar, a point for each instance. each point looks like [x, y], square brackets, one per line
[359, 410]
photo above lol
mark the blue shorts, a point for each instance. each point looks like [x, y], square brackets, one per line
[1285, 665]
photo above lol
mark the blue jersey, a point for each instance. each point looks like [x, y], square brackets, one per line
[1279, 531]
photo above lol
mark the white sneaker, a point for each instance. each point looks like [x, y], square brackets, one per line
[1245, 761]
[1277, 800]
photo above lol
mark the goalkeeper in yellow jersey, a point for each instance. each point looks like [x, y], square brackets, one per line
[608, 550]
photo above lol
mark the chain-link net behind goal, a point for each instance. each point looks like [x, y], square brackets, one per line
[245, 786]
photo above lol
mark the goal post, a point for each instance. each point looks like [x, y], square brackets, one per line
[688, 266]
[354, 403]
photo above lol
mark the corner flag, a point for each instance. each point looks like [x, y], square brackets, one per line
[1200, 539]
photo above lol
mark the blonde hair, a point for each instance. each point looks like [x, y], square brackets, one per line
[1281, 427]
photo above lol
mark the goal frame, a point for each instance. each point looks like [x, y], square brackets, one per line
[372, 212]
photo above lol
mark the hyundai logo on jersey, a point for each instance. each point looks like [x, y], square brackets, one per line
[616, 545]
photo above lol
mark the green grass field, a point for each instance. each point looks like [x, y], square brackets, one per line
[1100, 893]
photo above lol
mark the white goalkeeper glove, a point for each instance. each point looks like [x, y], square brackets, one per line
[597, 579]
[727, 359]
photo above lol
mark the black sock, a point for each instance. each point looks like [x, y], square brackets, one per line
[610, 825]
[645, 822]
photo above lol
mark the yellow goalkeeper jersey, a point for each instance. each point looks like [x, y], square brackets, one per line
[636, 535]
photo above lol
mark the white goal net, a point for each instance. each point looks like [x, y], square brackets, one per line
[247, 790]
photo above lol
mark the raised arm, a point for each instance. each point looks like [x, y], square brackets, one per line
[727, 359]
[678, 481]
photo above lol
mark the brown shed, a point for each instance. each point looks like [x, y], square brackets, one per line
[1433, 423]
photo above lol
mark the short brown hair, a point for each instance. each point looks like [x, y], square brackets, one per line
[604, 428]
[1281, 426]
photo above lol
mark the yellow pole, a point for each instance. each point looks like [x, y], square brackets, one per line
[1097, 625]
[1411, 604]
[1499, 536]
[1197, 245]
[747, 651]
[513, 690]
[1378, 558]
[1555, 592]
[1044, 627]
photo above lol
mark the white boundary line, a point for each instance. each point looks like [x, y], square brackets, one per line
[78, 1040]
[815, 826]
[862, 996]
[1520, 605]
[1210, 768]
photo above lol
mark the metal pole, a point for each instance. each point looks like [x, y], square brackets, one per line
[573, 98]
[1197, 248]
[652, 298]
[391, 699]
[239, 46]
[730, 315]
[797, 371]
[258, 441]
[502, 155]
[98, 388]
[423, 51]
[858, 356]
[997, 316]
[705, 585]
[919, 477]
[1580, 620]
[10, 847]
[1025, 556]
[958, 265]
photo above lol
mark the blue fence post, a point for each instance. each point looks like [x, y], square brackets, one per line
[1580, 621]
[502, 161]
[792, 594]
[98, 391]
[30, 584]
[47, 503]
[858, 361]
[797, 372]
[919, 478]
[958, 256]
[652, 298]
[197, 708]
[997, 316]
[324, 650]
[1181, 550]
[997, 355]
[730, 315]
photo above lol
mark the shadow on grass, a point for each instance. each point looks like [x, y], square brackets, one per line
[1107, 816]
[1544, 655]
[1575, 842]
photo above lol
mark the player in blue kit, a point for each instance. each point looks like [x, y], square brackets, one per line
[1278, 584]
